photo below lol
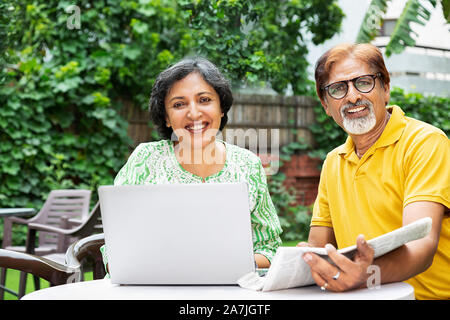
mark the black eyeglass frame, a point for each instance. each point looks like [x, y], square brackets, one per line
[373, 76]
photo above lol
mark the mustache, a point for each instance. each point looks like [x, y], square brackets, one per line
[349, 105]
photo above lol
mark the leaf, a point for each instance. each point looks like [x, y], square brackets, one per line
[11, 169]
[414, 11]
[138, 26]
[131, 52]
[372, 20]
[446, 9]
[147, 11]
[68, 84]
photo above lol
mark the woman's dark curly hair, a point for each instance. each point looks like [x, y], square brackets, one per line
[177, 72]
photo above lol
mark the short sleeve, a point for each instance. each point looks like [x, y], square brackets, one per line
[427, 171]
[321, 210]
[265, 222]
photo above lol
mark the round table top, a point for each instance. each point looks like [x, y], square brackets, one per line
[105, 290]
[16, 211]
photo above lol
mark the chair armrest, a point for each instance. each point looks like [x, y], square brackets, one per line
[7, 229]
[47, 228]
[18, 220]
[49, 270]
[75, 222]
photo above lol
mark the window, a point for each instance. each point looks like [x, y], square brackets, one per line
[388, 27]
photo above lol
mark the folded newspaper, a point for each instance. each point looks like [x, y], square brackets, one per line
[289, 270]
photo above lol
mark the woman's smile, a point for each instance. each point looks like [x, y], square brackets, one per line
[197, 127]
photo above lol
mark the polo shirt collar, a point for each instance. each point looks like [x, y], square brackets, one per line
[391, 133]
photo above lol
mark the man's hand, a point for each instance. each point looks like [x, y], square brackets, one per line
[346, 274]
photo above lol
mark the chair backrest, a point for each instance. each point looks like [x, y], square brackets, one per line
[92, 225]
[61, 203]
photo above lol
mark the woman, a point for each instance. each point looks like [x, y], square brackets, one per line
[188, 106]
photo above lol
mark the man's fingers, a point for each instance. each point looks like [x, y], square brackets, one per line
[303, 244]
[320, 266]
[345, 273]
[341, 261]
[319, 280]
[365, 251]
[321, 271]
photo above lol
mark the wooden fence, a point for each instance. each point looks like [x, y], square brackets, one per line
[281, 119]
[275, 120]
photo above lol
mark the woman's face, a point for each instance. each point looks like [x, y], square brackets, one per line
[193, 111]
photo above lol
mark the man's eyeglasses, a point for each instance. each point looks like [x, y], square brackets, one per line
[364, 84]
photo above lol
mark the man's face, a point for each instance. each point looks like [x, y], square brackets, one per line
[357, 113]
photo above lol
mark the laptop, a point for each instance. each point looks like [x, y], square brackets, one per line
[177, 234]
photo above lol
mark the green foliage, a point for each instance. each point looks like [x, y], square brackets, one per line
[372, 20]
[296, 224]
[434, 110]
[59, 116]
[446, 9]
[430, 109]
[415, 12]
[294, 218]
[262, 42]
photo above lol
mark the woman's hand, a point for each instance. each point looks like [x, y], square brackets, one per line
[261, 261]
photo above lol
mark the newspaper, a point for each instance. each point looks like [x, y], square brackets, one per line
[289, 270]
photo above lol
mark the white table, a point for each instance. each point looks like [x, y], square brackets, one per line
[16, 211]
[104, 290]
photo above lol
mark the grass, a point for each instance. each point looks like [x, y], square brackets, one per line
[12, 283]
[291, 243]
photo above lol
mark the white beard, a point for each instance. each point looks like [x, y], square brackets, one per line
[360, 125]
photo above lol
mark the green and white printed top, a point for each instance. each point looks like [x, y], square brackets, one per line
[155, 162]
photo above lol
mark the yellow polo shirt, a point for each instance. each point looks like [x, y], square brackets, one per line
[409, 162]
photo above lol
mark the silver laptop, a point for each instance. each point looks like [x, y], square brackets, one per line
[177, 233]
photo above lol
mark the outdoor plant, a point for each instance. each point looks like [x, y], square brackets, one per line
[294, 217]
[262, 42]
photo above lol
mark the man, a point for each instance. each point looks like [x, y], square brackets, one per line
[391, 171]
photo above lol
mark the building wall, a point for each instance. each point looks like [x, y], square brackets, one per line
[303, 174]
